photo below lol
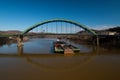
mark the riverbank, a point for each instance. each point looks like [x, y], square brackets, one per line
[4, 40]
[10, 40]
[107, 41]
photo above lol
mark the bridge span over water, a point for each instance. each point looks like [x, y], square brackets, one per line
[56, 26]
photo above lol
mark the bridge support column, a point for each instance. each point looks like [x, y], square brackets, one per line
[20, 41]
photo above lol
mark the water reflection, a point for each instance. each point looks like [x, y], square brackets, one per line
[97, 64]
[45, 46]
[38, 53]
[20, 50]
[39, 46]
[55, 62]
[9, 49]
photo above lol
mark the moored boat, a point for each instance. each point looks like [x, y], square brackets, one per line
[63, 47]
[58, 47]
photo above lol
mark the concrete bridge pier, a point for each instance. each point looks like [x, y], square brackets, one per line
[20, 41]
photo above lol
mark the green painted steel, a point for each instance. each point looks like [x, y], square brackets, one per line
[58, 20]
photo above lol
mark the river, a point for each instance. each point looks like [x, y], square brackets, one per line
[38, 62]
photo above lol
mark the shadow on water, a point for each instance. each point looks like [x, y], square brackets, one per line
[53, 62]
[57, 62]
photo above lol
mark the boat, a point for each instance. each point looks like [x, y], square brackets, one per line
[58, 47]
[63, 47]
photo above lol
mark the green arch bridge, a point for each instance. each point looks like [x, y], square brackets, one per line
[58, 20]
[55, 20]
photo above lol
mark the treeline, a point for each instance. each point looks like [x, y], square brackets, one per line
[3, 40]
[115, 29]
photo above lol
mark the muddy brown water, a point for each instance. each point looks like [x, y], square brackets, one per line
[39, 63]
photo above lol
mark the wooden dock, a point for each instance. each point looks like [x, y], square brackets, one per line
[68, 51]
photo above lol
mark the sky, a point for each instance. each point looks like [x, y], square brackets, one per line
[20, 14]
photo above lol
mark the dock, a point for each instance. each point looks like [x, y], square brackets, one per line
[68, 51]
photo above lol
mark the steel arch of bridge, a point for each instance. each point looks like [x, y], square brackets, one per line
[58, 20]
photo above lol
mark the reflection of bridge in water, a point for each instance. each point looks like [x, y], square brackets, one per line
[21, 53]
[55, 62]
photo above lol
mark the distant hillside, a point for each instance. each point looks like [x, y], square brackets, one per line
[115, 29]
[10, 32]
[13, 31]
